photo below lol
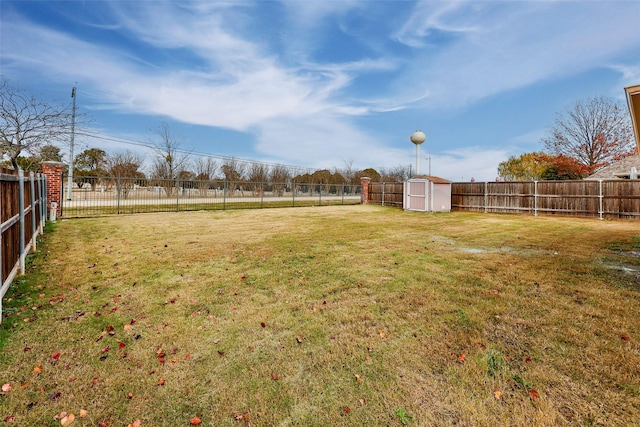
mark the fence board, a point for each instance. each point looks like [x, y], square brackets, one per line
[386, 193]
[585, 198]
[21, 219]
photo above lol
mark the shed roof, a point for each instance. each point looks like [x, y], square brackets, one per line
[434, 179]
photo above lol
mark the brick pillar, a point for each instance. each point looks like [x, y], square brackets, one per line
[364, 182]
[53, 171]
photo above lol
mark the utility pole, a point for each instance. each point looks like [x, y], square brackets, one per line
[73, 134]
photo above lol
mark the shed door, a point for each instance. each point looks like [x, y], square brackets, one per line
[417, 195]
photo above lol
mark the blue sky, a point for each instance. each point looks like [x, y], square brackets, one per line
[322, 84]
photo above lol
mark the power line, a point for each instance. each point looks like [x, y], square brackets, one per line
[91, 134]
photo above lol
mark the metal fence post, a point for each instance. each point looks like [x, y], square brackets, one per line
[177, 195]
[22, 227]
[601, 197]
[34, 212]
[293, 193]
[224, 194]
[41, 212]
[118, 194]
[486, 196]
[383, 194]
[262, 194]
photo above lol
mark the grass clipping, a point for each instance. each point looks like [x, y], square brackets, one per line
[355, 315]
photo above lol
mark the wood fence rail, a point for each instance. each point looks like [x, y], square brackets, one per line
[386, 193]
[22, 217]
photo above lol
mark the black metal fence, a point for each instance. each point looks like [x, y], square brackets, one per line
[117, 195]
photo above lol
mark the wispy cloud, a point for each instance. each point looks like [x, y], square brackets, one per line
[282, 73]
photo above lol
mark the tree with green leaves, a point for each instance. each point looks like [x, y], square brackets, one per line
[89, 166]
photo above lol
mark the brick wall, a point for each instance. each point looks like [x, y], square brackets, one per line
[364, 181]
[53, 171]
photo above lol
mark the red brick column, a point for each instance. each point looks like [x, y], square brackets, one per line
[364, 182]
[53, 171]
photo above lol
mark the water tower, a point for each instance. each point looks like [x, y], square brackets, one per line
[418, 137]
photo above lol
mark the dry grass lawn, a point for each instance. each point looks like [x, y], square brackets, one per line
[357, 315]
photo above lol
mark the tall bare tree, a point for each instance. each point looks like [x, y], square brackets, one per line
[206, 169]
[233, 171]
[595, 132]
[169, 160]
[26, 123]
[257, 175]
[124, 170]
[279, 176]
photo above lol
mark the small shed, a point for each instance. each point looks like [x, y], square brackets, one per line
[427, 194]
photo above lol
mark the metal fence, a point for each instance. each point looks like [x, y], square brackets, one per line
[22, 217]
[117, 195]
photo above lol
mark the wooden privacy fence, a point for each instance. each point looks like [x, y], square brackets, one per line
[586, 198]
[386, 193]
[22, 216]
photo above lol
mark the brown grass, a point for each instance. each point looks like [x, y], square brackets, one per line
[355, 315]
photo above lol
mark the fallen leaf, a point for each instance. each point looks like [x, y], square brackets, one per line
[346, 409]
[497, 394]
[121, 345]
[461, 358]
[103, 424]
[358, 379]
[127, 327]
[37, 369]
[238, 417]
[625, 338]
[299, 339]
[26, 349]
[534, 394]
[130, 396]
[6, 387]
[161, 381]
[111, 330]
[55, 395]
[527, 360]
[136, 423]
[221, 353]
[9, 418]
[274, 376]
[361, 400]
[382, 334]
[104, 350]
[67, 420]
[195, 421]
[55, 357]
[216, 341]
[83, 413]
[263, 324]
[244, 277]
